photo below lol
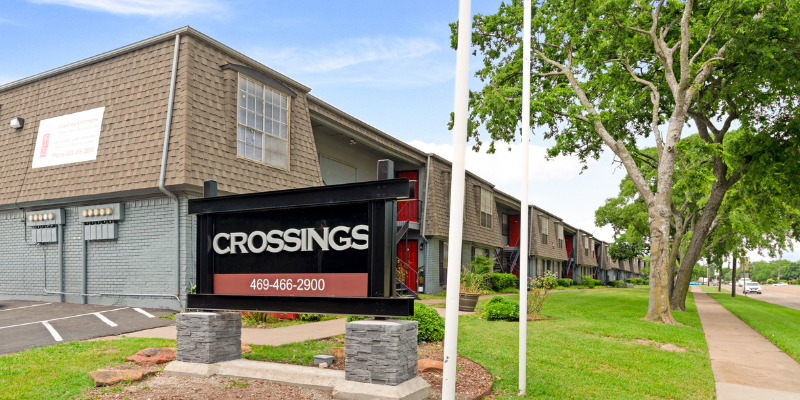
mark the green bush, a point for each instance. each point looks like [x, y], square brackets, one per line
[564, 282]
[510, 290]
[482, 265]
[500, 308]
[502, 281]
[638, 281]
[588, 281]
[612, 283]
[770, 281]
[310, 317]
[431, 324]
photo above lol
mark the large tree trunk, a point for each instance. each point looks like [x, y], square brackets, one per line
[658, 309]
[699, 236]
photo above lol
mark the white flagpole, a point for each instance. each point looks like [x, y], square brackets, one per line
[524, 239]
[457, 200]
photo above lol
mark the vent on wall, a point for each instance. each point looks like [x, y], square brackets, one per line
[100, 221]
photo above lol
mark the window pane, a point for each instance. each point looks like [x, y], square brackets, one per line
[241, 133]
[268, 110]
[251, 87]
[258, 153]
[259, 122]
[242, 116]
[284, 116]
[242, 84]
[241, 149]
[276, 112]
[259, 106]
[268, 95]
[268, 125]
[259, 91]
[251, 102]
[282, 132]
[251, 119]
[284, 103]
[259, 138]
[242, 99]
[250, 136]
[249, 151]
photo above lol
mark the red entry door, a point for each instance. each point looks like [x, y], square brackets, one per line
[407, 263]
[407, 210]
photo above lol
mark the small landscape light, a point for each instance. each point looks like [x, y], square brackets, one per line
[17, 122]
[51, 216]
[109, 211]
[102, 211]
[85, 213]
[30, 217]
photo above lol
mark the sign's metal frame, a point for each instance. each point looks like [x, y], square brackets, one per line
[381, 197]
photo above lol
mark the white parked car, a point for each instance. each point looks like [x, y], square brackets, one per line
[780, 284]
[752, 287]
[741, 281]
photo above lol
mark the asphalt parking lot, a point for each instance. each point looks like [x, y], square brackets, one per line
[28, 324]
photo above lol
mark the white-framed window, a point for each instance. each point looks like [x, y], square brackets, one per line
[263, 123]
[486, 208]
[545, 229]
[560, 236]
[586, 245]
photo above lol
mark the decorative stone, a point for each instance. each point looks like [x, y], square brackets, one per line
[428, 365]
[107, 377]
[338, 353]
[246, 348]
[208, 337]
[381, 352]
[152, 356]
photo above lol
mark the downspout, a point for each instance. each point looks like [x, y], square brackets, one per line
[60, 238]
[164, 154]
[425, 217]
[530, 238]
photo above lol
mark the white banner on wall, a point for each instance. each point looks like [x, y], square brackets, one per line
[68, 139]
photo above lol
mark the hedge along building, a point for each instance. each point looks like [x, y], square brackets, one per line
[172, 111]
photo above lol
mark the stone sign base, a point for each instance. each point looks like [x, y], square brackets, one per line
[381, 352]
[208, 337]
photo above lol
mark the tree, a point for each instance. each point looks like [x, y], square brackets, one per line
[612, 72]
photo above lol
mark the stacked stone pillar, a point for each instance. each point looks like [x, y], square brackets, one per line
[209, 337]
[381, 352]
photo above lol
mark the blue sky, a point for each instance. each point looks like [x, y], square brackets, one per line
[387, 63]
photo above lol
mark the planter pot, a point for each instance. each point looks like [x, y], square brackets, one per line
[467, 301]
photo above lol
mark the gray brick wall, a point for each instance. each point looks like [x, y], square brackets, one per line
[140, 261]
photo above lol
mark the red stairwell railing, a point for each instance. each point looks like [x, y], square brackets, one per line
[408, 210]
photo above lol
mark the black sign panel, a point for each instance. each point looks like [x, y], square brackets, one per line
[314, 250]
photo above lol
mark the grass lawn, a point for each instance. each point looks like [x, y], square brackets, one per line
[588, 350]
[713, 289]
[295, 353]
[60, 371]
[779, 324]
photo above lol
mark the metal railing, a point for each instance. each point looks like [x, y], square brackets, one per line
[409, 210]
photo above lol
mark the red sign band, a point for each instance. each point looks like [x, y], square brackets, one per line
[319, 285]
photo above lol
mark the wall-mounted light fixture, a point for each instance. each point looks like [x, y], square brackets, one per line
[17, 122]
[352, 142]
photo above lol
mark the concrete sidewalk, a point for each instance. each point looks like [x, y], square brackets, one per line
[745, 364]
[271, 337]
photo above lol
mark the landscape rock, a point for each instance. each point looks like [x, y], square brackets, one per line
[246, 349]
[152, 356]
[338, 353]
[428, 365]
[107, 377]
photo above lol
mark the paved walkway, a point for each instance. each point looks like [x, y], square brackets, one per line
[745, 364]
[272, 337]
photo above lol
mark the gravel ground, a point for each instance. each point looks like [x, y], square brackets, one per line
[472, 380]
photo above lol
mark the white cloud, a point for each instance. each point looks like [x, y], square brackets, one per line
[141, 7]
[378, 59]
[556, 185]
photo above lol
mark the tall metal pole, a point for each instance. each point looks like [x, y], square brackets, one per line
[457, 199]
[524, 239]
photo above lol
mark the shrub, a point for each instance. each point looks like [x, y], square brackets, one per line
[472, 282]
[431, 324]
[482, 265]
[310, 317]
[564, 282]
[256, 317]
[502, 281]
[588, 281]
[612, 283]
[770, 281]
[638, 281]
[500, 308]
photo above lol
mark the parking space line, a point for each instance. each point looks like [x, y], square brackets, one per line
[104, 319]
[53, 332]
[35, 305]
[147, 314]
[56, 319]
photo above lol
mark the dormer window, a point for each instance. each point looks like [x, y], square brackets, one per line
[263, 123]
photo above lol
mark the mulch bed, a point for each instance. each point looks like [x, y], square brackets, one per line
[472, 382]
